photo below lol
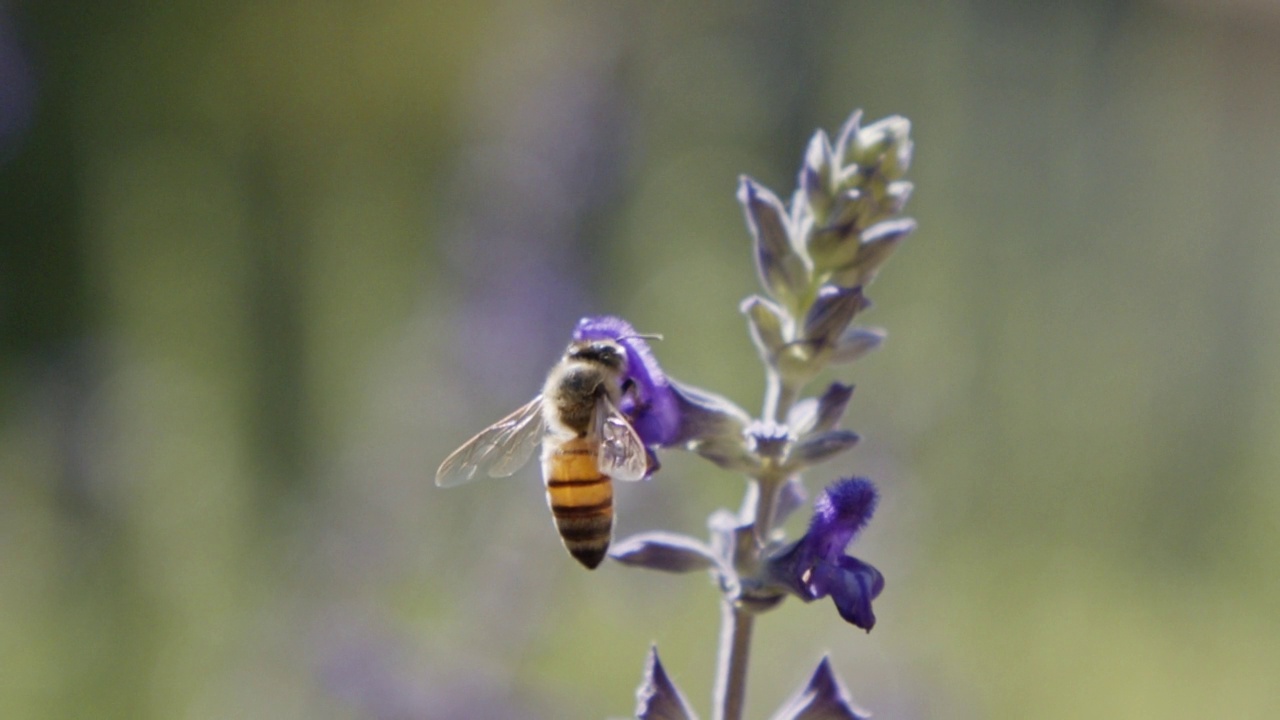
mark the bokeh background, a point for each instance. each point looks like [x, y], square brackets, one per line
[263, 264]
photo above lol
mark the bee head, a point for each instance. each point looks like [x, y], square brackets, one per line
[605, 352]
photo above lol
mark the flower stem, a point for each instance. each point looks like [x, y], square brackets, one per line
[736, 625]
[765, 489]
[779, 396]
[737, 622]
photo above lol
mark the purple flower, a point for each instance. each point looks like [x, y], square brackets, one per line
[816, 566]
[650, 404]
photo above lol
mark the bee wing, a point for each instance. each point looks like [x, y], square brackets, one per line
[500, 449]
[622, 453]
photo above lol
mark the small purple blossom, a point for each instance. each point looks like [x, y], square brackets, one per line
[816, 566]
[651, 405]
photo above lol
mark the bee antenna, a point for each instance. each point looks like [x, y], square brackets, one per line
[642, 336]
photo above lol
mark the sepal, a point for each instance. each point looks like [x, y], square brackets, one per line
[835, 243]
[704, 415]
[770, 441]
[712, 426]
[668, 552]
[791, 497]
[822, 698]
[856, 342]
[658, 698]
[885, 143]
[768, 325]
[878, 243]
[820, 447]
[831, 313]
[782, 270]
[727, 453]
[831, 406]
[848, 137]
[731, 538]
[816, 174]
[897, 193]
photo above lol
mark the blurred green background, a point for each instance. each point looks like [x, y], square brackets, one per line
[262, 265]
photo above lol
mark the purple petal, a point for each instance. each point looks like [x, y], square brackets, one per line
[839, 513]
[791, 568]
[652, 411]
[852, 585]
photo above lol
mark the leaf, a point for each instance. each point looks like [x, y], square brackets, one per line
[823, 698]
[657, 698]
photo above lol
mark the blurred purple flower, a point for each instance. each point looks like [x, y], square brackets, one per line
[377, 675]
[815, 566]
[17, 85]
[544, 156]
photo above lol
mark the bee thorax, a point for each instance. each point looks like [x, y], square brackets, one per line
[572, 391]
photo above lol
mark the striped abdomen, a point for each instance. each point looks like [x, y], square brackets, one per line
[580, 496]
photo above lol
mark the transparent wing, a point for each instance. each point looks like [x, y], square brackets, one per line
[622, 453]
[499, 450]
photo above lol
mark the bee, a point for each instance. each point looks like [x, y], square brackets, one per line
[586, 443]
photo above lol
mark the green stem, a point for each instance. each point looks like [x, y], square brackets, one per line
[766, 491]
[779, 397]
[736, 625]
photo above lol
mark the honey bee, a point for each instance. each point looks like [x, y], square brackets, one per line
[586, 442]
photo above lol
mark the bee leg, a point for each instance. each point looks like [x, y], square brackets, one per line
[652, 465]
[631, 402]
